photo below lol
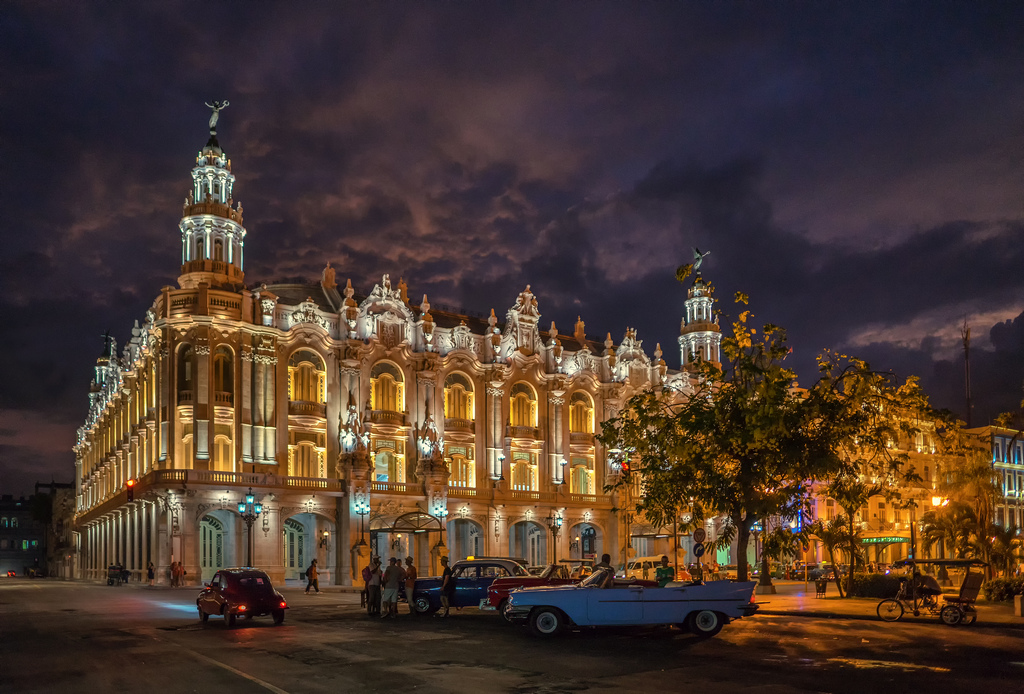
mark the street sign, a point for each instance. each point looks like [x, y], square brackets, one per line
[698, 550]
[806, 548]
[699, 534]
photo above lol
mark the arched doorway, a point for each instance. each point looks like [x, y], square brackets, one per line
[409, 535]
[308, 536]
[529, 540]
[585, 541]
[465, 539]
[216, 543]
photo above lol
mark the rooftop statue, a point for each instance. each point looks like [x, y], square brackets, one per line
[217, 107]
[698, 259]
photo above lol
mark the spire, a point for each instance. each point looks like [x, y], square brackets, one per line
[212, 235]
[700, 338]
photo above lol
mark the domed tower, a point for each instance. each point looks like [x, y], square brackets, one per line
[212, 235]
[700, 338]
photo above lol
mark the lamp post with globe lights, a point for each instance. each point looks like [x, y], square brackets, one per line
[249, 510]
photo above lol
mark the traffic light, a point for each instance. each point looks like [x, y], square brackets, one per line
[131, 489]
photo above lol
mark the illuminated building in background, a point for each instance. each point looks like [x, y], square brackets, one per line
[362, 421]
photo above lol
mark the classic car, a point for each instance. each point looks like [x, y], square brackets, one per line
[245, 592]
[472, 579]
[603, 600]
[553, 575]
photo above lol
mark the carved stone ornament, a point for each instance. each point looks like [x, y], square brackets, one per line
[462, 338]
[203, 350]
[307, 313]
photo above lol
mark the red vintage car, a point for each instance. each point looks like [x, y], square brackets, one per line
[553, 575]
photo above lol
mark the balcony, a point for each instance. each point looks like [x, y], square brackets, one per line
[581, 437]
[304, 408]
[387, 417]
[224, 399]
[461, 492]
[526, 495]
[397, 487]
[583, 498]
[184, 397]
[455, 424]
[517, 432]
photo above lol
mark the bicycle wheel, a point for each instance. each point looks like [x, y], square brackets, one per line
[970, 616]
[889, 610]
[951, 615]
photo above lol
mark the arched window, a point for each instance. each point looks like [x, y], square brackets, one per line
[387, 388]
[305, 461]
[581, 476]
[218, 249]
[223, 460]
[199, 249]
[188, 456]
[14, 522]
[223, 376]
[581, 414]
[462, 472]
[307, 377]
[458, 397]
[523, 406]
[388, 467]
[4, 522]
[186, 368]
[524, 471]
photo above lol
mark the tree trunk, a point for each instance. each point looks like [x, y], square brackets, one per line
[742, 539]
[835, 570]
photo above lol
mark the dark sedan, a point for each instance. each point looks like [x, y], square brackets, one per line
[234, 593]
[472, 579]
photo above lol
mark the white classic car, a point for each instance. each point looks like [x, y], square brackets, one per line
[603, 600]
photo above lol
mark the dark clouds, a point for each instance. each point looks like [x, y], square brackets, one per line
[855, 168]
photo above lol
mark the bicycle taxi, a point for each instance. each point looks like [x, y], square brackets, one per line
[920, 593]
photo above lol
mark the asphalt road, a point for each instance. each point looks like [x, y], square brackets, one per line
[64, 637]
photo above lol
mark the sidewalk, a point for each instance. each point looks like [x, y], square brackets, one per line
[792, 600]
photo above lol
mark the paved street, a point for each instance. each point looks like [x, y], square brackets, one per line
[92, 638]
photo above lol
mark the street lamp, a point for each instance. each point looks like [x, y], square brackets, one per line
[362, 508]
[564, 463]
[325, 538]
[555, 524]
[501, 467]
[249, 510]
[442, 513]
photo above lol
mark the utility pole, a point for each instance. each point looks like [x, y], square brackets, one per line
[965, 333]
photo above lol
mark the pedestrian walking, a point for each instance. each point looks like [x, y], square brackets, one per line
[174, 574]
[373, 588]
[410, 583]
[393, 577]
[151, 574]
[364, 596]
[447, 586]
[312, 578]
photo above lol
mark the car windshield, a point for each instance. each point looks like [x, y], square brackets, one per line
[595, 579]
[518, 570]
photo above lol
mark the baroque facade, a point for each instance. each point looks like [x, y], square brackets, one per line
[360, 422]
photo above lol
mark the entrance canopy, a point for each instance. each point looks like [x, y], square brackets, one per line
[413, 522]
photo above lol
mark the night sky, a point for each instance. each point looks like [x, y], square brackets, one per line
[857, 168]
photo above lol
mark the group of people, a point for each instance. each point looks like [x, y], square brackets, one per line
[178, 574]
[383, 587]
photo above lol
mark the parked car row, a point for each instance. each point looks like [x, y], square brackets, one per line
[558, 597]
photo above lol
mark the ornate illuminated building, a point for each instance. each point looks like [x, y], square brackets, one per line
[359, 422]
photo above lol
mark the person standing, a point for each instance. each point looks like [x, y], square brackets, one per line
[393, 576]
[373, 588]
[410, 583]
[151, 574]
[312, 578]
[447, 586]
[664, 573]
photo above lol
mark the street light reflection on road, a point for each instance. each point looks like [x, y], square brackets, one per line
[177, 608]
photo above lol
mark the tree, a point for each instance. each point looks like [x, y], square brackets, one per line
[738, 440]
[836, 535]
[1005, 547]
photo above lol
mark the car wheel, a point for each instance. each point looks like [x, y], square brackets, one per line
[705, 623]
[889, 610]
[203, 617]
[546, 621]
[951, 615]
[278, 616]
[504, 610]
[424, 606]
[970, 617]
[230, 619]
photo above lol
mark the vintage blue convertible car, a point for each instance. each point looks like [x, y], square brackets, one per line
[472, 579]
[603, 600]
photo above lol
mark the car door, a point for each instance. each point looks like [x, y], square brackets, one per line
[465, 585]
[616, 605]
[488, 574]
[207, 597]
